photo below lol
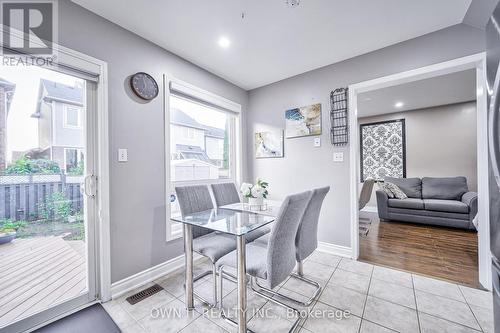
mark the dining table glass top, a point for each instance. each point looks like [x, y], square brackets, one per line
[228, 221]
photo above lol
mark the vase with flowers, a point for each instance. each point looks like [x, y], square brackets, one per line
[256, 193]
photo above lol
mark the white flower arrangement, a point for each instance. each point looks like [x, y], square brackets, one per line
[257, 191]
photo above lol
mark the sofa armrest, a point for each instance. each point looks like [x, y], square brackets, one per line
[470, 199]
[382, 204]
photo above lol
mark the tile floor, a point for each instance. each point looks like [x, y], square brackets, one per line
[378, 299]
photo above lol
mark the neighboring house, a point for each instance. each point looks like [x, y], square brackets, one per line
[192, 140]
[60, 122]
[7, 90]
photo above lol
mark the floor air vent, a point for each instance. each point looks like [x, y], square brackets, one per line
[141, 295]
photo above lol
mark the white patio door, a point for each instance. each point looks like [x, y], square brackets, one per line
[47, 195]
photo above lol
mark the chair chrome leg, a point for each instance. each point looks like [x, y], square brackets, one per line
[300, 268]
[307, 303]
[197, 296]
[214, 277]
[296, 324]
[223, 274]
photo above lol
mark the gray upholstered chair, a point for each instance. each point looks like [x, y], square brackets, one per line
[306, 241]
[273, 263]
[212, 245]
[364, 197]
[225, 194]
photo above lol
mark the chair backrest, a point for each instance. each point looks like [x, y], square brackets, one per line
[366, 192]
[306, 240]
[281, 245]
[225, 194]
[193, 199]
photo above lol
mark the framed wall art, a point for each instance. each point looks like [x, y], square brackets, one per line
[303, 121]
[269, 144]
[383, 149]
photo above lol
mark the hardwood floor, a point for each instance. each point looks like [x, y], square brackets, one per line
[440, 252]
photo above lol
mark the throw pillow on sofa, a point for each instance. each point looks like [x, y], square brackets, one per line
[387, 191]
[396, 191]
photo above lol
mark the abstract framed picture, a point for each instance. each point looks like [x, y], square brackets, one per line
[303, 121]
[269, 144]
[383, 150]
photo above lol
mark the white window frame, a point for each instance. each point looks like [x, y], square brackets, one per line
[78, 154]
[182, 89]
[65, 116]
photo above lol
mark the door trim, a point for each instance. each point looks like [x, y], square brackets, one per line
[97, 67]
[475, 61]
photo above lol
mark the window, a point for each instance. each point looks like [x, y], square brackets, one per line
[200, 141]
[73, 160]
[72, 116]
[203, 143]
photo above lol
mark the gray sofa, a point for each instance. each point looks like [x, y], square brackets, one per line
[436, 201]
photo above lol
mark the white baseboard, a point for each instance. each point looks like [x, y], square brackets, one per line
[137, 280]
[342, 251]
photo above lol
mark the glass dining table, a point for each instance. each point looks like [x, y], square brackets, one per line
[229, 221]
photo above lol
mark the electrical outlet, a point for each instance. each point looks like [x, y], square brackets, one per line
[317, 142]
[338, 157]
[122, 155]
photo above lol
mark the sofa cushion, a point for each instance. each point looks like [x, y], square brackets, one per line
[410, 203]
[412, 187]
[450, 206]
[396, 191]
[451, 188]
[430, 213]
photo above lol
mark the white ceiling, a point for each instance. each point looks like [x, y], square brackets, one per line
[441, 90]
[274, 41]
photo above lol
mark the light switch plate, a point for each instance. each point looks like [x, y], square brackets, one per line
[338, 157]
[122, 155]
[317, 142]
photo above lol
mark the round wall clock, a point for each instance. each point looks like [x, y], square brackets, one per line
[144, 86]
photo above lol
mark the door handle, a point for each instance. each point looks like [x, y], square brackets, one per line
[88, 188]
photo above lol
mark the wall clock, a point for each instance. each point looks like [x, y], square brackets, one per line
[144, 86]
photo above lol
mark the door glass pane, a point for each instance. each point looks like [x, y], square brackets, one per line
[200, 142]
[42, 210]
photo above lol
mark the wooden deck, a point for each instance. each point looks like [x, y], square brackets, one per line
[36, 273]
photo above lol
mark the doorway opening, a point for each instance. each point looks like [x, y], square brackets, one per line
[419, 136]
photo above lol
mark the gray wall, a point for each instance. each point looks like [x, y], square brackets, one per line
[305, 166]
[137, 187]
[440, 142]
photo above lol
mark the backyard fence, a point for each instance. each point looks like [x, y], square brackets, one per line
[21, 196]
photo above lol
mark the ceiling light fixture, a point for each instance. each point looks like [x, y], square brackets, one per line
[224, 42]
[399, 104]
[292, 3]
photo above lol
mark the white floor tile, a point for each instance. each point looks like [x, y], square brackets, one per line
[485, 318]
[430, 324]
[173, 318]
[369, 327]
[392, 276]
[325, 258]
[478, 297]
[357, 267]
[344, 299]
[350, 280]
[323, 319]
[446, 308]
[390, 315]
[392, 292]
[438, 287]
